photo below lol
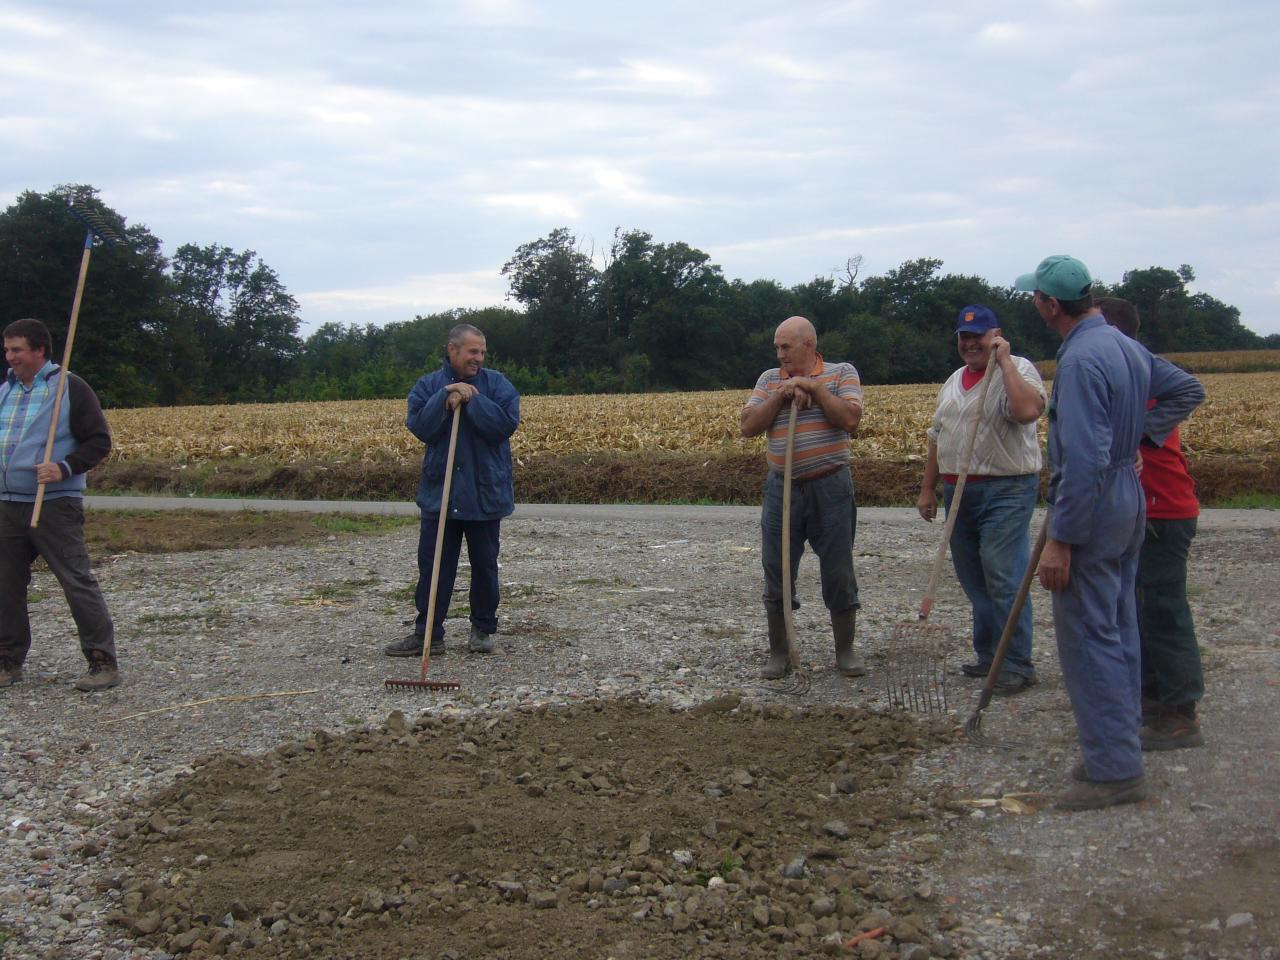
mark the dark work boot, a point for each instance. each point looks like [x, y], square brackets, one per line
[779, 664]
[10, 672]
[848, 662]
[480, 641]
[411, 646]
[103, 674]
[1172, 728]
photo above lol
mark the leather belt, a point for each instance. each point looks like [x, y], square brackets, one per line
[801, 481]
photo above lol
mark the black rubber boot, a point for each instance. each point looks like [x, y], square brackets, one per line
[848, 662]
[779, 664]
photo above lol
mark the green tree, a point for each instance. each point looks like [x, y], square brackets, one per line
[241, 315]
[121, 342]
[556, 282]
[1175, 319]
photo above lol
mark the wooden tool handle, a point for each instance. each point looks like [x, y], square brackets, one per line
[62, 373]
[443, 519]
[788, 615]
[1024, 588]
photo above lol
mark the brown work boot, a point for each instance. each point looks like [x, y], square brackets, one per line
[104, 673]
[1172, 728]
[1096, 794]
[10, 673]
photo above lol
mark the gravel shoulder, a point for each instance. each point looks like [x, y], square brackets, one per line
[658, 608]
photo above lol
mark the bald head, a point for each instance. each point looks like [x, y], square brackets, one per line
[797, 345]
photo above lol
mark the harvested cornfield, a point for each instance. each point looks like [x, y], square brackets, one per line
[1202, 362]
[1238, 419]
[643, 448]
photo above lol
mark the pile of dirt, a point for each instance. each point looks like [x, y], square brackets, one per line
[623, 477]
[610, 828]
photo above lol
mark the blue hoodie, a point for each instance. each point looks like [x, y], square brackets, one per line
[82, 440]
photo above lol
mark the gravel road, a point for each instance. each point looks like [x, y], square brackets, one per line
[657, 607]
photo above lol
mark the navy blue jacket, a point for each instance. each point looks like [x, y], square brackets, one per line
[481, 487]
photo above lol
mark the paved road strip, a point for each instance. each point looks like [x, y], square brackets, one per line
[1209, 519]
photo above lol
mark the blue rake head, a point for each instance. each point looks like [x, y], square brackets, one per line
[98, 228]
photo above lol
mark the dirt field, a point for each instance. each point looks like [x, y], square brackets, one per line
[613, 782]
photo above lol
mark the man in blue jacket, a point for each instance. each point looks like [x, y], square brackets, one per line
[81, 441]
[1097, 416]
[481, 492]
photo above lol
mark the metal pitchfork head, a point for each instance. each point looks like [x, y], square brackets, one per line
[916, 674]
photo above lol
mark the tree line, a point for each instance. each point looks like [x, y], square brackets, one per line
[215, 325]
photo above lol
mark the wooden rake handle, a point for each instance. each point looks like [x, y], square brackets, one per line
[62, 373]
[1024, 588]
[931, 591]
[444, 518]
[788, 615]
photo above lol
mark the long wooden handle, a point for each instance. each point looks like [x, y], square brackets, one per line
[788, 615]
[997, 661]
[62, 373]
[931, 591]
[444, 518]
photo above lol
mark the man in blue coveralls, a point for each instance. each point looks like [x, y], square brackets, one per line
[1097, 416]
[481, 492]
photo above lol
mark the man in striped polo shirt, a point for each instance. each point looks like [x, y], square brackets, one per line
[828, 400]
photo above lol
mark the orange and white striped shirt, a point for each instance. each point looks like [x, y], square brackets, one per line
[819, 445]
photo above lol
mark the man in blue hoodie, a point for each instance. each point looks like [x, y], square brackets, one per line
[481, 492]
[81, 441]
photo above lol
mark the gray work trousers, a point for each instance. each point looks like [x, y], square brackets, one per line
[825, 514]
[60, 540]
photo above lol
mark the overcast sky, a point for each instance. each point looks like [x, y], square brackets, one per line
[387, 158]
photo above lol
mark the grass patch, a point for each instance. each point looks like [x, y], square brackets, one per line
[215, 615]
[182, 531]
[1249, 501]
[363, 522]
[405, 593]
[336, 593]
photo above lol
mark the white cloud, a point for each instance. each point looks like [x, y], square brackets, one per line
[548, 206]
[1002, 33]
[792, 69]
[395, 136]
[419, 293]
[17, 20]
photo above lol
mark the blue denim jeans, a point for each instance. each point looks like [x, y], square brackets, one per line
[482, 550]
[824, 513]
[990, 548]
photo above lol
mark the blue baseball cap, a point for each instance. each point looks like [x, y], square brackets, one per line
[1059, 276]
[976, 318]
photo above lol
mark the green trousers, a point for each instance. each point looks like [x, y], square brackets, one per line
[1171, 671]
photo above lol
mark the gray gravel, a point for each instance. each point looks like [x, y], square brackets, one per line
[663, 605]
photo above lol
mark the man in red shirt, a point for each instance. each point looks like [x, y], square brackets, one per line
[1172, 676]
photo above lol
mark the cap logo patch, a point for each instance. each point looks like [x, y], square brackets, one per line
[968, 317]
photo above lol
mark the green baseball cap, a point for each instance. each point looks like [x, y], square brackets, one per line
[1059, 276]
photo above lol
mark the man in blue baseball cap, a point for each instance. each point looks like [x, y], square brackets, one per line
[990, 547]
[1097, 416]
